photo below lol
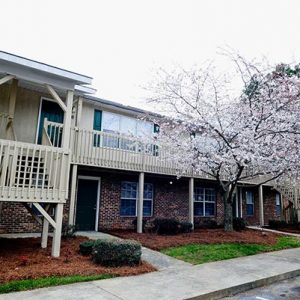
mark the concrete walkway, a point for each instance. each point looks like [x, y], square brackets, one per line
[274, 231]
[207, 281]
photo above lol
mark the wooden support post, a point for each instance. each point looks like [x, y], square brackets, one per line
[261, 205]
[140, 203]
[79, 112]
[45, 233]
[10, 134]
[73, 195]
[191, 201]
[236, 202]
[57, 231]
[241, 202]
[67, 121]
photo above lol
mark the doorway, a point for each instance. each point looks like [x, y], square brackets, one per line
[88, 199]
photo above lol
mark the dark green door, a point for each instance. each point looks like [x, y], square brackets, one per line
[86, 209]
[53, 112]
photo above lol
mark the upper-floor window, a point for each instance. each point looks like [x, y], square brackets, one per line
[249, 203]
[204, 202]
[115, 124]
[278, 204]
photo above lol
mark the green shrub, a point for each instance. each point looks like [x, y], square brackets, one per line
[239, 224]
[68, 231]
[166, 226]
[276, 224]
[116, 253]
[206, 224]
[185, 227]
[86, 248]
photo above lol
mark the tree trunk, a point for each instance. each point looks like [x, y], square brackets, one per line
[228, 217]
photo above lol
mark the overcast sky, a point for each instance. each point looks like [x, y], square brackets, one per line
[119, 43]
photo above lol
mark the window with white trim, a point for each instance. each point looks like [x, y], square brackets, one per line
[278, 204]
[204, 202]
[129, 197]
[249, 203]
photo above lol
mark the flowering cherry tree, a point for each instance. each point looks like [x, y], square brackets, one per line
[252, 135]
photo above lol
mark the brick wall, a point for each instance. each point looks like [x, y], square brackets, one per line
[170, 201]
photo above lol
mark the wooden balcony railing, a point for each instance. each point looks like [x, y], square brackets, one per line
[31, 173]
[103, 149]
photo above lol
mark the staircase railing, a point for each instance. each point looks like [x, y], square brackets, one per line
[32, 172]
[52, 133]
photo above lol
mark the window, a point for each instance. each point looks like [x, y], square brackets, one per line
[129, 196]
[278, 204]
[250, 203]
[117, 125]
[204, 202]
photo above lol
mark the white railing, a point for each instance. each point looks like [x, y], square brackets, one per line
[97, 148]
[53, 132]
[3, 125]
[32, 172]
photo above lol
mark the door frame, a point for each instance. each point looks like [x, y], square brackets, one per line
[98, 197]
[39, 116]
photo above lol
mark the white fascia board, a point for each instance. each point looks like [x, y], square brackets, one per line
[81, 89]
[27, 63]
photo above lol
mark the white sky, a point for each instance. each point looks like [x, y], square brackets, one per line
[118, 43]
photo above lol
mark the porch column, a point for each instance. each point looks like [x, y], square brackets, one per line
[67, 120]
[191, 201]
[57, 230]
[140, 203]
[241, 202]
[261, 205]
[73, 195]
[45, 233]
[236, 202]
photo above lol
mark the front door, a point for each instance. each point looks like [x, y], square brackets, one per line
[87, 199]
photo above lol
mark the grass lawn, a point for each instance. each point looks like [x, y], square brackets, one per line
[28, 284]
[202, 253]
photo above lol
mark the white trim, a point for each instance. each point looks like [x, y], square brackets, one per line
[39, 117]
[98, 197]
[28, 63]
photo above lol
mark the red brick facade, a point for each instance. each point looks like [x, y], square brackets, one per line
[170, 201]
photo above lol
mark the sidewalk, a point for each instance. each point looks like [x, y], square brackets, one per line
[207, 281]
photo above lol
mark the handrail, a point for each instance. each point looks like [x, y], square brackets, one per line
[53, 133]
[32, 172]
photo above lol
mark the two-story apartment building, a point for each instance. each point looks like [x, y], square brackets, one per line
[67, 156]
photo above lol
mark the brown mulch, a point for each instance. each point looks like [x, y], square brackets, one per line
[199, 236]
[24, 259]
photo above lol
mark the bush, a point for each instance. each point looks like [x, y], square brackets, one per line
[86, 248]
[185, 227]
[276, 224]
[239, 224]
[116, 253]
[166, 226]
[68, 231]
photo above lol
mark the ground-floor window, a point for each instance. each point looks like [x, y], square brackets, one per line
[278, 204]
[249, 203]
[129, 196]
[204, 202]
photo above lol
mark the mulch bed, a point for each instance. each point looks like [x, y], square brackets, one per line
[25, 259]
[290, 230]
[199, 236]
